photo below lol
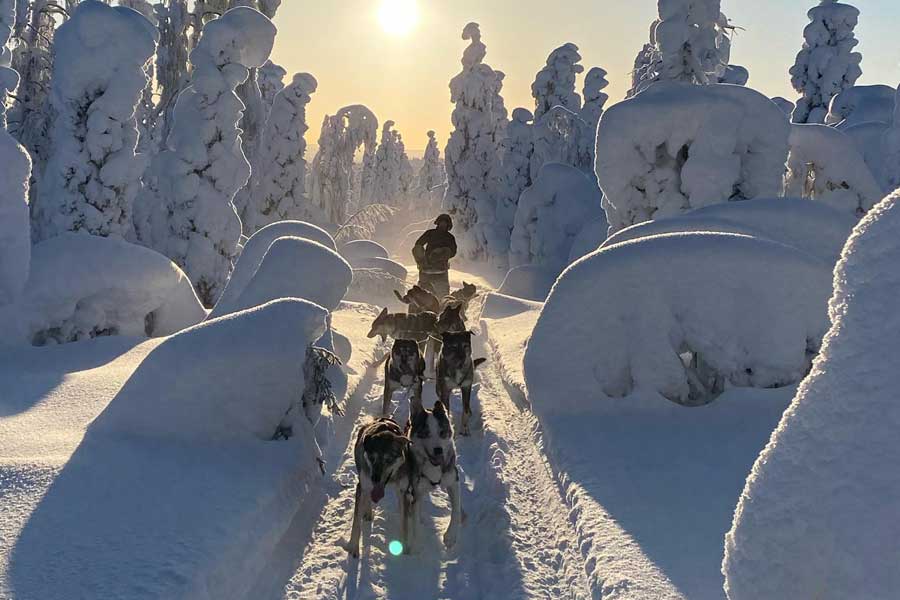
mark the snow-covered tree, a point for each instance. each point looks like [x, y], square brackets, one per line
[432, 176]
[342, 135]
[271, 81]
[518, 146]
[594, 96]
[472, 153]
[827, 63]
[890, 171]
[172, 65]
[554, 85]
[390, 168]
[279, 185]
[562, 136]
[186, 211]
[93, 174]
[9, 79]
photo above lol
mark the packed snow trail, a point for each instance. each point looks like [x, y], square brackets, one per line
[515, 543]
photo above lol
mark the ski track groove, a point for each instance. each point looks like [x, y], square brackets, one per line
[517, 540]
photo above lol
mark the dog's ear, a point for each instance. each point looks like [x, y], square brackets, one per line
[383, 312]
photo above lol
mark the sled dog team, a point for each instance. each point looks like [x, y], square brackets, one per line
[421, 455]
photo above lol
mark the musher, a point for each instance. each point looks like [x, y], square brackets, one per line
[433, 251]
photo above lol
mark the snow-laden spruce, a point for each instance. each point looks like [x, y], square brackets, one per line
[827, 64]
[278, 186]
[172, 58]
[562, 136]
[431, 178]
[825, 165]
[818, 517]
[186, 210]
[676, 146]
[550, 214]
[861, 104]
[331, 183]
[387, 169]
[594, 99]
[271, 81]
[472, 155]
[15, 227]
[9, 78]
[93, 174]
[517, 147]
[679, 315]
[554, 85]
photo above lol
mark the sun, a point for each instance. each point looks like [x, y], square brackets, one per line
[398, 17]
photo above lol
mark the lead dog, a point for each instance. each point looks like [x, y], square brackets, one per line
[434, 457]
[383, 457]
[403, 370]
[456, 369]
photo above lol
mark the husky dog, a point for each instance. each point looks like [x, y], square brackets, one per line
[434, 458]
[463, 296]
[456, 369]
[400, 326]
[404, 369]
[451, 319]
[419, 300]
[383, 457]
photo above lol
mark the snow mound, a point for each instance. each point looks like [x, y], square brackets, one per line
[15, 238]
[829, 159]
[818, 516]
[243, 36]
[84, 286]
[861, 104]
[363, 249]
[294, 268]
[810, 226]
[589, 239]
[551, 213]
[530, 282]
[675, 147]
[682, 315]
[200, 385]
[387, 265]
[256, 247]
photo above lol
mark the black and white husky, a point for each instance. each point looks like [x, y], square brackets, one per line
[456, 369]
[404, 369]
[434, 457]
[383, 457]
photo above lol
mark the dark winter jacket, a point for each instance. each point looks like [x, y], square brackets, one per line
[433, 251]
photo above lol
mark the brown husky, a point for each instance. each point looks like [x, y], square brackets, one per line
[400, 326]
[419, 300]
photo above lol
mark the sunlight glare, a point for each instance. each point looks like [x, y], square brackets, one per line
[398, 17]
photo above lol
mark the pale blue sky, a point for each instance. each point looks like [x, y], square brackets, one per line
[405, 78]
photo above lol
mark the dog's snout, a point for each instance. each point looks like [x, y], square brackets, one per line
[439, 451]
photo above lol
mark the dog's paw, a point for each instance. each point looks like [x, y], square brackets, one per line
[450, 537]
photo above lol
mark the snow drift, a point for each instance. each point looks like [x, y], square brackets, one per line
[363, 249]
[818, 517]
[675, 147]
[589, 239]
[293, 268]
[810, 226]
[531, 282]
[551, 213]
[84, 286]
[861, 104]
[682, 315]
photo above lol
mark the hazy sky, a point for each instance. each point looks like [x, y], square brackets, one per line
[405, 77]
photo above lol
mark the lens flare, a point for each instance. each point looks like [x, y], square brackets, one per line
[396, 547]
[398, 17]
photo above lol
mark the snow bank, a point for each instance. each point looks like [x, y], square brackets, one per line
[293, 268]
[15, 224]
[682, 315]
[83, 286]
[861, 104]
[810, 226]
[363, 249]
[219, 390]
[256, 247]
[93, 173]
[675, 147]
[551, 213]
[387, 265]
[818, 516]
[589, 239]
[530, 282]
[824, 165]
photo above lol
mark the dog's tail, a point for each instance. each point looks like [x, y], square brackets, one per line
[400, 298]
[479, 361]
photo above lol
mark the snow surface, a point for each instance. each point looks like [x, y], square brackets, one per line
[551, 213]
[750, 312]
[591, 236]
[293, 267]
[15, 226]
[825, 165]
[675, 147]
[391, 267]
[93, 174]
[529, 282]
[359, 249]
[862, 104]
[817, 516]
[813, 227]
[82, 286]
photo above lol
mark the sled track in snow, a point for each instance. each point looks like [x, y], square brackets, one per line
[517, 541]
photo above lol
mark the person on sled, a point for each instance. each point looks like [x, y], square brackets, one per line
[433, 251]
